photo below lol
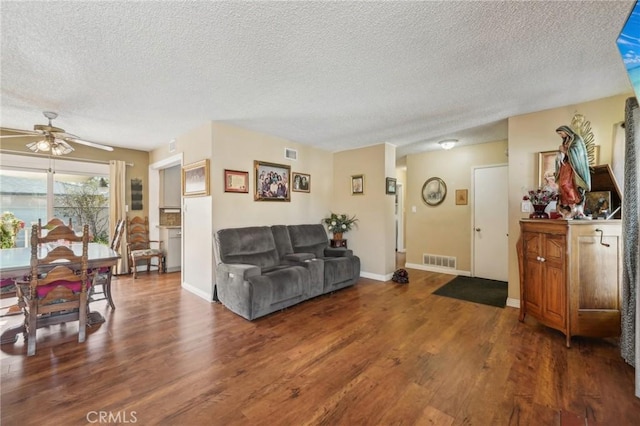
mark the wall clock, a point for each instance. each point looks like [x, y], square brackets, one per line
[434, 191]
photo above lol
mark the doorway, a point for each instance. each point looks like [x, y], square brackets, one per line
[490, 223]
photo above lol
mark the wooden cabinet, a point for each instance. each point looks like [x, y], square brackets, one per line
[571, 275]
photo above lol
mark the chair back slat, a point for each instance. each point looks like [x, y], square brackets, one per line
[138, 233]
[75, 267]
[51, 224]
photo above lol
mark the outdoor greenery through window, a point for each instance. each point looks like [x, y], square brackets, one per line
[31, 194]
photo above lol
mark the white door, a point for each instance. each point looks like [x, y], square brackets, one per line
[490, 223]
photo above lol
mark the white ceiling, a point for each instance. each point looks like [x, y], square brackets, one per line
[336, 75]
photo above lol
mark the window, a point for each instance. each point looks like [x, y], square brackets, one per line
[39, 188]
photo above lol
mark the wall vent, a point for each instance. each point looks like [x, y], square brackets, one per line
[290, 154]
[448, 262]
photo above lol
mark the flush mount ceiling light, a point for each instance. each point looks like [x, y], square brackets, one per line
[448, 143]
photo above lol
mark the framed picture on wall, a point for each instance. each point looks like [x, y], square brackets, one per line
[357, 184]
[301, 182]
[195, 179]
[272, 181]
[390, 186]
[461, 197]
[236, 181]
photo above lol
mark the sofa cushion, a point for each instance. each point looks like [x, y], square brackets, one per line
[252, 245]
[308, 239]
[282, 240]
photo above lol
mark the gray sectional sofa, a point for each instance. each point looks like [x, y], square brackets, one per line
[263, 269]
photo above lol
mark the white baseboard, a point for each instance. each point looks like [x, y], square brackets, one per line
[198, 292]
[431, 268]
[513, 303]
[376, 277]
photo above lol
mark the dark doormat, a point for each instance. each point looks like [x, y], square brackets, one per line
[478, 290]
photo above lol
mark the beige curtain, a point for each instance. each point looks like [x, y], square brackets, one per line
[117, 208]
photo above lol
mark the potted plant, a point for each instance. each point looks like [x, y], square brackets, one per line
[540, 199]
[10, 225]
[339, 224]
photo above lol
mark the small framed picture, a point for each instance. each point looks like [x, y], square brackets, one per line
[357, 184]
[272, 181]
[390, 186]
[301, 182]
[598, 204]
[461, 197]
[547, 169]
[236, 181]
[195, 179]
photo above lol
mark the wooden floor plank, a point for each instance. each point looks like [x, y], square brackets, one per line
[376, 353]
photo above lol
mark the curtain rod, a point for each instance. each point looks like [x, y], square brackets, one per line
[35, 154]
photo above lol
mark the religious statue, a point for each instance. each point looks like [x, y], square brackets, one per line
[572, 176]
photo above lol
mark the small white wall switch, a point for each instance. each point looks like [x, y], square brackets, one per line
[525, 206]
[413, 209]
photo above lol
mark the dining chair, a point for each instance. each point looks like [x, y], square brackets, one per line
[102, 276]
[52, 224]
[57, 288]
[139, 246]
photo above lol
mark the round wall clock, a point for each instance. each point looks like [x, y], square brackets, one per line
[434, 191]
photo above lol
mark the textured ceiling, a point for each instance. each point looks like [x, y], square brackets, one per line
[335, 75]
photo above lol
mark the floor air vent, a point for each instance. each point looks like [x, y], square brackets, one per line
[440, 261]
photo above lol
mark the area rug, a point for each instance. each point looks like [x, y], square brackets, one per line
[478, 290]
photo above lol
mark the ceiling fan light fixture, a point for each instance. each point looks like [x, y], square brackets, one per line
[448, 143]
[43, 145]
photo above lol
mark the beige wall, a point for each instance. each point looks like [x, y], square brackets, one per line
[445, 229]
[139, 159]
[374, 238]
[235, 148]
[532, 133]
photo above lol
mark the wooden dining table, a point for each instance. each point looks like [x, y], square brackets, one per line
[16, 263]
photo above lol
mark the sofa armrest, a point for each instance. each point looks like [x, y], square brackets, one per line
[240, 270]
[299, 257]
[337, 252]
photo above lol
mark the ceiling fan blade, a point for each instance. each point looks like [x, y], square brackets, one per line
[20, 136]
[23, 132]
[73, 138]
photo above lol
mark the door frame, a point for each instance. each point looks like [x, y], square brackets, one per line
[472, 200]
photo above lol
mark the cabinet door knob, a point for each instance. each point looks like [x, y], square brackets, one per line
[478, 229]
[542, 259]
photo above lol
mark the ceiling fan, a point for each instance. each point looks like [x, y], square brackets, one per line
[53, 139]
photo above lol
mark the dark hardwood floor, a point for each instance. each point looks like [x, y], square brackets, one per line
[374, 354]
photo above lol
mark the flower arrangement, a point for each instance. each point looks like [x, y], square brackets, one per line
[339, 223]
[540, 197]
[10, 225]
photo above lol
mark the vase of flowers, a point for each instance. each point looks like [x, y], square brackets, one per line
[10, 225]
[338, 224]
[540, 199]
